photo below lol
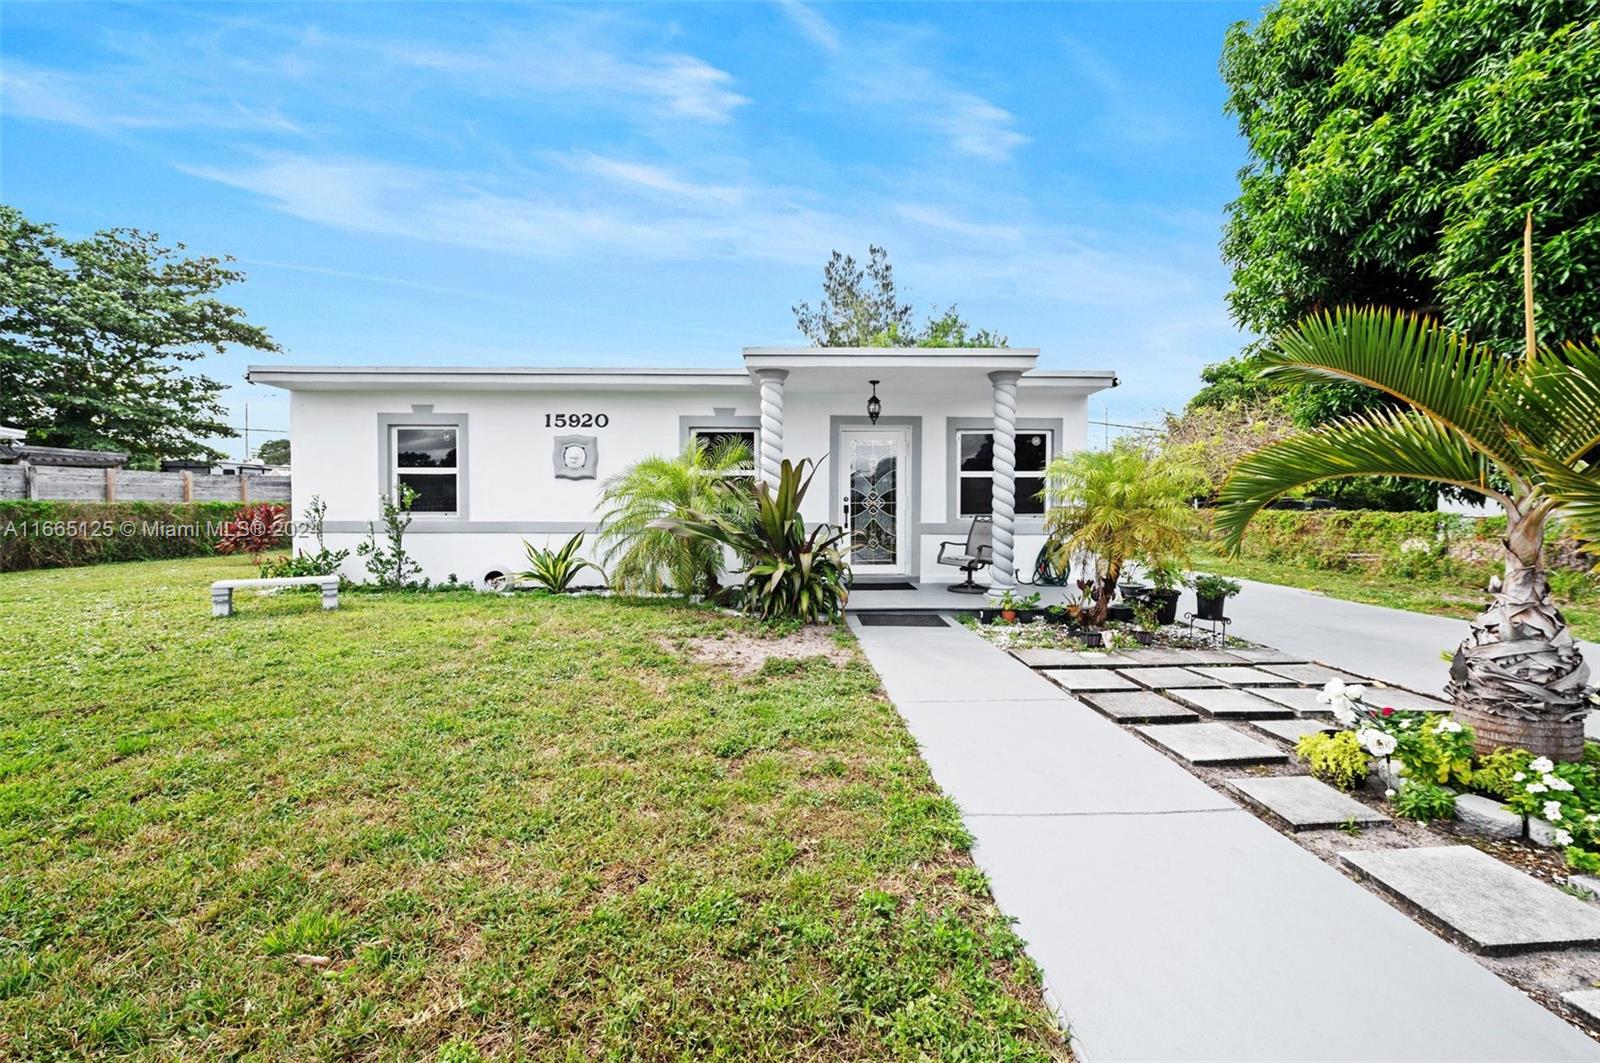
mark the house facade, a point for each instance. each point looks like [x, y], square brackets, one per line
[502, 455]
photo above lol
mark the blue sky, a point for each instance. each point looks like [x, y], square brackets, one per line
[647, 184]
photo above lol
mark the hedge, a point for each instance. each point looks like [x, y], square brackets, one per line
[1396, 544]
[50, 534]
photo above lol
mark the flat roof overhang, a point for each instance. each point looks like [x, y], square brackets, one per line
[491, 378]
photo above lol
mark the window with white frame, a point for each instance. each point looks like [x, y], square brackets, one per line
[975, 473]
[424, 459]
[717, 437]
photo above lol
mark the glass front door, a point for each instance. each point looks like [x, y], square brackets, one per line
[875, 511]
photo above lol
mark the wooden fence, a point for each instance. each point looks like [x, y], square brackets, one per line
[67, 484]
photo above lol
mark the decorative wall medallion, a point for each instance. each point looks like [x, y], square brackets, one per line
[576, 457]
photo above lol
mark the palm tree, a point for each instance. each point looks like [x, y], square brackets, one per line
[1119, 505]
[641, 550]
[1517, 430]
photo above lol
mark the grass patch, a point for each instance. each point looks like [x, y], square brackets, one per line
[461, 826]
[1461, 596]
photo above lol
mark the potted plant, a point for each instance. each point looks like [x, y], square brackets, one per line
[1013, 608]
[1210, 593]
[1148, 616]
[1166, 588]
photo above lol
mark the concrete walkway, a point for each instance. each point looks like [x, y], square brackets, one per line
[1171, 924]
[1397, 646]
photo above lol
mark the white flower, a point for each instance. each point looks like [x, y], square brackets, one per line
[1518, 777]
[1541, 765]
[1552, 810]
[1375, 741]
[1333, 688]
[1563, 837]
[1557, 783]
[1448, 726]
[1344, 713]
[1537, 788]
[1355, 691]
[1592, 817]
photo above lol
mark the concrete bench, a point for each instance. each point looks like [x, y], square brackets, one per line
[222, 590]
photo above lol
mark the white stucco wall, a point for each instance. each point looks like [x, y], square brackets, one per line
[512, 494]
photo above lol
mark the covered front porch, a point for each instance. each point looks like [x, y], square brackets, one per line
[919, 442]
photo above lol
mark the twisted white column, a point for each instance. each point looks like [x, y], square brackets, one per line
[1004, 492]
[771, 381]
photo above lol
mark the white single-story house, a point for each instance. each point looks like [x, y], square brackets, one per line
[502, 455]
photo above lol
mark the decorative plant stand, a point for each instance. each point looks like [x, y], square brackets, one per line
[1214, 627]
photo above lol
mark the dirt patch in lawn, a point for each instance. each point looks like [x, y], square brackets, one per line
[747, 653]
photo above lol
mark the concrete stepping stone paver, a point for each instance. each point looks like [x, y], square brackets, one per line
[1305, 803]
[1303, 700]
[1294, 728]
[1169, 678]
[1139, 706]
[1228, 703]
[1243, 675]
[1310, 674]
[1059, 658]
[1404, 699]
[1492, 905]
[1214, 744]
[1586, 1002]
[1150, 656]
[1266, 655]
[1079, 680]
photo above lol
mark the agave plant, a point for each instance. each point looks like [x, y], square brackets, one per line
[554, 570]
[1514, 430]
[642, 553]
[789, 573]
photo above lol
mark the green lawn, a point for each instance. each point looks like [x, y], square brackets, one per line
[1462, 596]
[511, 826]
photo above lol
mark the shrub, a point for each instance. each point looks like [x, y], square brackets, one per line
[790, 574]
[1423, 801]
[391, 567]
[56, 534]
[255, 529]
[1496, 774]
[1337, 759]
[554, 570]
[1433, 749]
[324, 562]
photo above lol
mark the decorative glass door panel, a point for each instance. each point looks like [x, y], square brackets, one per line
[875, 512]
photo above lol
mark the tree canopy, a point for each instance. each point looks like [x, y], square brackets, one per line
[860, 307]
[1395, 146]
[95, 334]
[274, 452]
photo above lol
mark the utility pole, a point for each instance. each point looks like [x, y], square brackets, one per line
[246, 432]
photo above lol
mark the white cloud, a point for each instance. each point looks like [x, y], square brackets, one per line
[114, 101]
[879, 75]
[816, 28]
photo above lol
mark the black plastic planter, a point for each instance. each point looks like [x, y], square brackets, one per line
[1120, 611]
[1209, 608]
[1166, 603]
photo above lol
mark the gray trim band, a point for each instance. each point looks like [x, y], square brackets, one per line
[470, 527]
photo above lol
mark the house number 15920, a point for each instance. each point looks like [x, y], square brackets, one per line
[576, 420]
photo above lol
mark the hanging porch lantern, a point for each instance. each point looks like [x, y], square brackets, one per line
[874, 406]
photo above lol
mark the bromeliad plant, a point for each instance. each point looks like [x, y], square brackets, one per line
[790, 573]
[554, 570]
[1521, 431]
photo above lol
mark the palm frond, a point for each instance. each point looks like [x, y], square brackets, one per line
[1575, 492]
[1555, 403]
[1406, 444]
[1440, 373]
